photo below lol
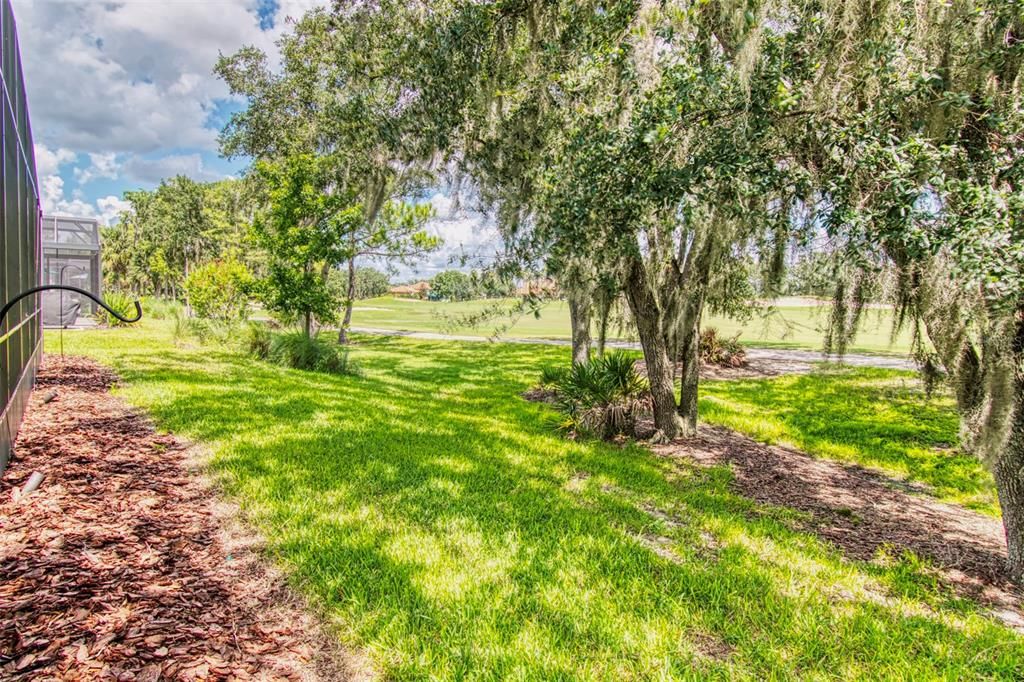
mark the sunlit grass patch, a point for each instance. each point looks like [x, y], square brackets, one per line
[873, 417]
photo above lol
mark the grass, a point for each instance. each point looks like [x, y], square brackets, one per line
[873, 417]
[785, 326]
[446, 530]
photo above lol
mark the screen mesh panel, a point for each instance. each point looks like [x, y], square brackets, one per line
[20, 332]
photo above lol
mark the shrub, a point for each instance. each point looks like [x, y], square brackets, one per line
[222, 332]
[721, 351]
[256, 340]
[219, 290]
[159, 308]
[550, 376]
[119, 301]
[605, 396]
[298, 351]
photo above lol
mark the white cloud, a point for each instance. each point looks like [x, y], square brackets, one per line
[100, 166]
[132, 76]
[154, 170]
[130, 84]
[49, 162]
[110, 208]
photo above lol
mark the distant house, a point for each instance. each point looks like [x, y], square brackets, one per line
[544, 286]
[417, 290]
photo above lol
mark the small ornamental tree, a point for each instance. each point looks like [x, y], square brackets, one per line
[304, 232]
[219, 290]
[336, 95]
[452, 285]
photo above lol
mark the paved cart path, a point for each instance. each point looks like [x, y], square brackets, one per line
[788, 361]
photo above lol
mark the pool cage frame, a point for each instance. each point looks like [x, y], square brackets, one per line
[71, 256]
[21, 330]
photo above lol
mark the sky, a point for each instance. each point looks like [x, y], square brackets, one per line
[122, 94]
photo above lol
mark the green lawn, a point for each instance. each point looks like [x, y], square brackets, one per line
[444, 528]
[784, 326]
[873, 417]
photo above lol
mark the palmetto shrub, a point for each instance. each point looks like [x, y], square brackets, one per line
[551, 375]
[722, 351]
[298, 351]
[123, 303]
[604, 397]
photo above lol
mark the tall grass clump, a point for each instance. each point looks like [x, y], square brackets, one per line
[604, 397]
[205, 331]
[123, 303]
[298, 351]
[156, 308]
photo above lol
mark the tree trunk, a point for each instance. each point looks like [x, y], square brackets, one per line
[307, 324]
[604, 311]
[350, 298]
[647, 315]
[1009, 476]
[1008, 470]
[689, 382]
[579, 318]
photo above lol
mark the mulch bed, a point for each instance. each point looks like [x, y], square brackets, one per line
[861, 511]
[124, 566]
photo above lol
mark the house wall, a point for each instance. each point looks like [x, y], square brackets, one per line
[20, 331]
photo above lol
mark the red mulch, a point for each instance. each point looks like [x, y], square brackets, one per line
[123, 566]
[860, 511]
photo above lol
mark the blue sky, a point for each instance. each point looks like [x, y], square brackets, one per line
[122, 94]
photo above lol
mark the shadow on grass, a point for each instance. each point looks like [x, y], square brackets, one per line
[871, 417]
[431, 512]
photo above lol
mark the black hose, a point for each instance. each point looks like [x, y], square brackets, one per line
[66, 287]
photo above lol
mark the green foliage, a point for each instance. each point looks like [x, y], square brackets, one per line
[156, 308]
[220, 290]
[605, 396]
[337, 89]
[722, 351]
[176, 228]
[451, 285]
[304, 232]
[298, 351]
[205, 331]
[257, 339]
[119, 301]
[370, 283]
[552, 375]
